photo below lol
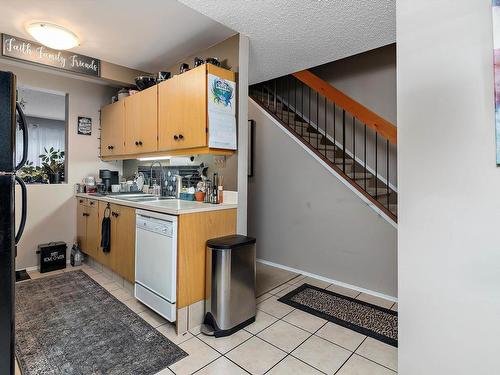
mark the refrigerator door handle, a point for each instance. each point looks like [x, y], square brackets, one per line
[23, 208]
[24, 127]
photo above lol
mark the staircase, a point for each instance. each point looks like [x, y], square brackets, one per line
[355, 142]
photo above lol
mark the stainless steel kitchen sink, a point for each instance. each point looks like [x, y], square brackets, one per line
[142, 198]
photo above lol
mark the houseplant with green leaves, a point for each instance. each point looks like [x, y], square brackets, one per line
[53, 165]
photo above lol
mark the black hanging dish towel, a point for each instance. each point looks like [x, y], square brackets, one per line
[106, 230]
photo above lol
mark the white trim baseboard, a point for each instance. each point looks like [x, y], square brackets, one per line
[369, 203]
[35, 268]
[328, 280]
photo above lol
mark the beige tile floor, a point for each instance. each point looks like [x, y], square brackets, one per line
[283, 340]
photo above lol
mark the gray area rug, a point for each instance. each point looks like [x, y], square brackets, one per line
[363, 317]
[69, 324]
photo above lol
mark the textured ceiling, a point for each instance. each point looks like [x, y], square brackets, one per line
[148, 35]
[290, 35]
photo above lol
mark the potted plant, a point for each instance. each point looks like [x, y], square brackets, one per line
[199, 195]
[32, 174]
[53, 165]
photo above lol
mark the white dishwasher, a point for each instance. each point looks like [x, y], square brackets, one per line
[156, 262]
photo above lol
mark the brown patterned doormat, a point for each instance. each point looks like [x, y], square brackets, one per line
[69, 324]
[365, 318]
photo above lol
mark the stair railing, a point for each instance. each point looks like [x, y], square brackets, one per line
[352, 139]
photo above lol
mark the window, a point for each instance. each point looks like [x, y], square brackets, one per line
[45, 113]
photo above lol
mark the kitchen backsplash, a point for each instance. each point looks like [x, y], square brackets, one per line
[225, 166]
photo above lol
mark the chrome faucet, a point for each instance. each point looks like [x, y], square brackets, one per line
[161, 175]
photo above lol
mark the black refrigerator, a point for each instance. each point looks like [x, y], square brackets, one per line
[11, 115]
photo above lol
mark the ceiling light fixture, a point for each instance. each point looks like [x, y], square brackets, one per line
[53, 36]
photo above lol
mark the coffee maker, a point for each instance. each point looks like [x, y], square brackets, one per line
[108, 178]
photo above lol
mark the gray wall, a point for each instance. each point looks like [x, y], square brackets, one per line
[304, 217]
[449, 210]
[370, 79]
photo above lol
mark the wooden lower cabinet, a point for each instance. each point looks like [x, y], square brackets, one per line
[121, 257]
[193, 232]
[123, 242]
[81, 224]
[87, 224]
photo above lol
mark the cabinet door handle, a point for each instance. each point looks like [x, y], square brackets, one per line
[176, 137]
[136, 143]
[81, 200]
[85, 214]
[110, 147]
[91, 203]
[140, 143]
[181, 136]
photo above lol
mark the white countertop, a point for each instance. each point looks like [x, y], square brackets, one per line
[167, 206]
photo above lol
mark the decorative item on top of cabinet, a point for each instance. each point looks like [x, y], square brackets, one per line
[113, 129]
[141, 121]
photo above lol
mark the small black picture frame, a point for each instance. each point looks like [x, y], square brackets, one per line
[84, 125]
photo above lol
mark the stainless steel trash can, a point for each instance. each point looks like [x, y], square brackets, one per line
[230, 285]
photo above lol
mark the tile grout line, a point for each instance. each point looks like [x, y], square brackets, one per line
[377, 363]
[222, 354]
[291, 351]
[256, 334]
[361, 343]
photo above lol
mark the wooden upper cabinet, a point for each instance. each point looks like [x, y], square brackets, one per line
[112, 129]
[193, 93]
[141, 122]
[168, 116]
[182, 110]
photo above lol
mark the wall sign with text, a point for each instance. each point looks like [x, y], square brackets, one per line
[26, 50]
[84, 125]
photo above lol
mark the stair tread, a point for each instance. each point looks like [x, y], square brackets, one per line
[377, 191]
[339, 162]
[360, 175]
[308, 133]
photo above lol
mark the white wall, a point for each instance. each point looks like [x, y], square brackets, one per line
[42, 103]
[305, 218]
[449, 189]
[52, 208]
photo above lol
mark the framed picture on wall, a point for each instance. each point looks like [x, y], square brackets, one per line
[251, 139]
[84, 125]
[496, 66]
